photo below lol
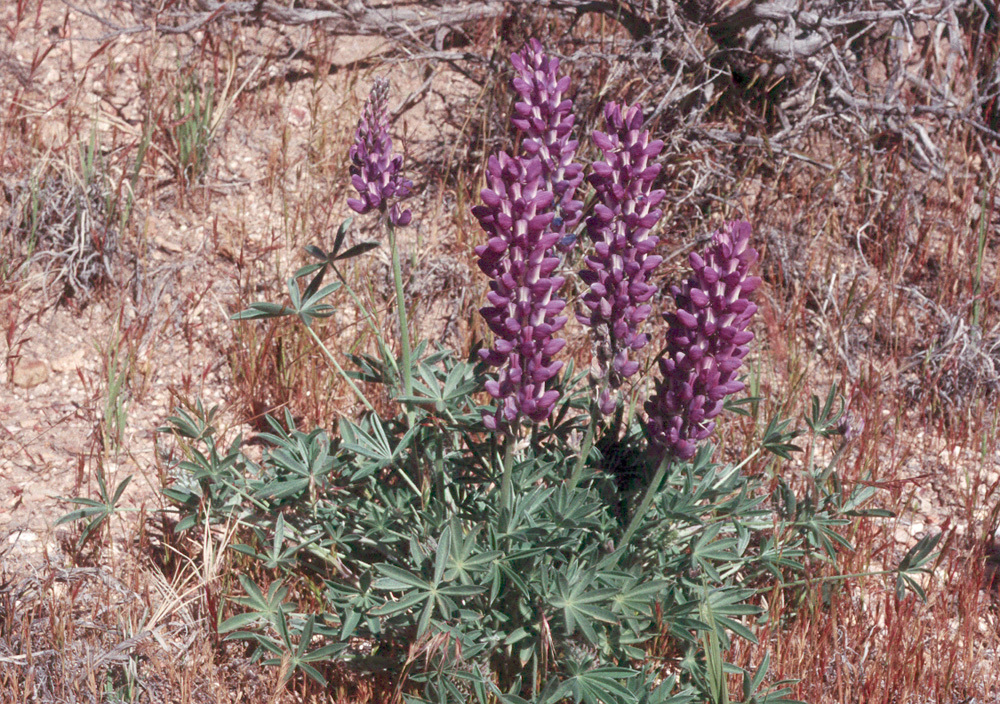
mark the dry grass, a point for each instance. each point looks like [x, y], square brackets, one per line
[881, 277]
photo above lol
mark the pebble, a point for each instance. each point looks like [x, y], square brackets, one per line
[70, 362]
[22, 536]
[30, 373]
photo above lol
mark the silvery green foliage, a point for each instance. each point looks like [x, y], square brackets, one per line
[527, 606]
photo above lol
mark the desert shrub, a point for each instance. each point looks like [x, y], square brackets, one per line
[524, 534]
[70, 215]
[67, 219]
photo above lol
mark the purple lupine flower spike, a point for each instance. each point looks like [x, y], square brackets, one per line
[376, 172]
[524, 308]
[546, 118]
[619, 268]
[706, 343]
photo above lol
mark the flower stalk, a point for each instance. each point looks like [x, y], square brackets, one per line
[706, 343]
[622, 261]
[376, 174]
[524, 307]
[544, 116]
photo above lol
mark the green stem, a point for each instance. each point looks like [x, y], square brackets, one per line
[369, 318]
[404, 331]
[508, 469]
[588, 440]
[611, 560]
[977, 276]
[340, 370]
[836, 578]
[651, 490]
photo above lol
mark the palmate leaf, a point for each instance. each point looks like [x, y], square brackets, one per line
[820, 530]
[581, 606]
[597, 685]
[777, 693]
[261, 607]
[637, 599]
[444, 394]
[374, 445]
[416, 591]
[197, 426]
[97, 511]
[825, 420]
[778, 439]
[707, 548]
[326, 259]
[915, 562]
[307, 307]
[720, 609]
[298, 656]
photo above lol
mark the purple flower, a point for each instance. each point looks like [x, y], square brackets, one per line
[523, 310]
[619, 267]
[375, 171]
[706, 343]
[546, 118]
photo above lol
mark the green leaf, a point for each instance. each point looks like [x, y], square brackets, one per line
[600, 685]
[257, 311]
[355, 251]
[914, 562]
[397, 579]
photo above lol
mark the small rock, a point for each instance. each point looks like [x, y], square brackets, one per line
[168, 245]
[29, 373]
[53, 132]
[357, 48]
[69, 362]
[22, 536]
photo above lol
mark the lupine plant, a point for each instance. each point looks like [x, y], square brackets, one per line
[485, 552]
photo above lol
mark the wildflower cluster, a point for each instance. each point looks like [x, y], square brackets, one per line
[707, 342]
[619, 267]
[376, 173]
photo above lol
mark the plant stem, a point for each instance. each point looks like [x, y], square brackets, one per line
[340, 370]
[508, 469]
[611, 560]
[404, 331]
[977, 275]
[588, 440]
[370, 319]
[647, 499]
[836, 578]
